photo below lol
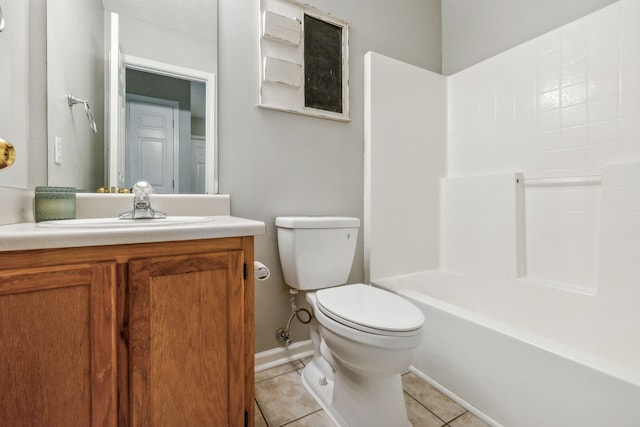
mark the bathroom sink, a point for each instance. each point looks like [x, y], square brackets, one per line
[124, 223]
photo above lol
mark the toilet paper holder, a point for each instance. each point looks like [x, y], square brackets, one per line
[260, 271]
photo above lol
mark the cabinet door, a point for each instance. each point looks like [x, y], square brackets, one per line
[57, 346]
[186, 338]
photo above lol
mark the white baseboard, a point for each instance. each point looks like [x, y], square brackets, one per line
[281, 355]
[460, 401]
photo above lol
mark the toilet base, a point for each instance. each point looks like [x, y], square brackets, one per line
[321, 389]
[351, 400]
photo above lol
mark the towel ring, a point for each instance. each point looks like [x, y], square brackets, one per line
[72, 100]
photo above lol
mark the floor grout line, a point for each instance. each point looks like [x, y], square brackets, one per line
[419, 403]
[299, 418]
[261, 412]
[295, 367]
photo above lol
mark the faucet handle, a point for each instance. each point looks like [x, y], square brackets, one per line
[142, 188]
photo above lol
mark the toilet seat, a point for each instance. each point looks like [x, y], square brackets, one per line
[370, 309]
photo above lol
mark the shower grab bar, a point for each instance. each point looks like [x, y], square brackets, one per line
[72, 100]
[563, 180]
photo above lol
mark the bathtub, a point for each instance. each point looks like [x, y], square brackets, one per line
[522, 354]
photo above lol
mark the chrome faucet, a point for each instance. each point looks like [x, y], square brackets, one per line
[142, 203]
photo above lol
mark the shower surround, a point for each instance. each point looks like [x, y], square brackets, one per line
[538, 210]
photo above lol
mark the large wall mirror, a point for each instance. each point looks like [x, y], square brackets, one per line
[147, 71]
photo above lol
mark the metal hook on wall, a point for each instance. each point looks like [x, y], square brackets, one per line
[1, 20]
[72, 100]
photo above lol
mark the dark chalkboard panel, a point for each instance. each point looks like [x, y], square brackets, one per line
[322, 65]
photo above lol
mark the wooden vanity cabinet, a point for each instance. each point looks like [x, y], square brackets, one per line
[146, 334]
[57, 346]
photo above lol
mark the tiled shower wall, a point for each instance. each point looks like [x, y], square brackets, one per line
[568, 100]
[558, 109]
[481, 226]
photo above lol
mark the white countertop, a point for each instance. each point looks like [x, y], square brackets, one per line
[29, 236]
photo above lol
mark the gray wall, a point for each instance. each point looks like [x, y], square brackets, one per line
[474, 30]
[157, 86]
[37, 93]
[17, 200]
[75, 64]
[275, 163]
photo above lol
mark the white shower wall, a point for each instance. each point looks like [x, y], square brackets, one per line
[481, 226]
[404, 158]
[568, 100]
[559, 109]
[539, 214]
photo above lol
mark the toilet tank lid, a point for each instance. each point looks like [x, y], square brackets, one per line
[317, 222]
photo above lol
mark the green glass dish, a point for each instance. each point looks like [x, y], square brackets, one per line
[52, 203]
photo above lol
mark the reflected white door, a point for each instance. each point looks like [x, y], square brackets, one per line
[198, 165]
[151, 143]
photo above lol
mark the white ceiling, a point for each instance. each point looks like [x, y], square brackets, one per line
[195, 17]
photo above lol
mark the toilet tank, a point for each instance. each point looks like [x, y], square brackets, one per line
[316, 251]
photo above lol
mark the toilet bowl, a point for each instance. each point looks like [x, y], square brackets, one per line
[364, 386]
[363, 337]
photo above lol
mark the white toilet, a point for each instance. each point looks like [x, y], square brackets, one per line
[363, 337]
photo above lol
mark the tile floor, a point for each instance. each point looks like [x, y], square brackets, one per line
[281, 400]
